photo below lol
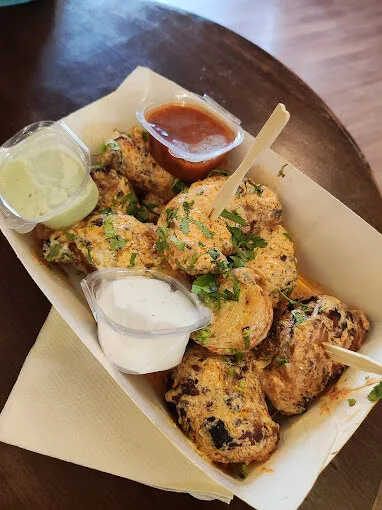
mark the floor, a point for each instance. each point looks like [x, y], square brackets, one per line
[333, 45]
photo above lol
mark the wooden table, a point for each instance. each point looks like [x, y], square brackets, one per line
[58, 56]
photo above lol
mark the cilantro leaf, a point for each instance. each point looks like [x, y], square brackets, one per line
[133, 256]
[299, 316]
[184, 225]
[233, 216]
[281, 361]
[187, 207]
[69, 236]
[145, 136]
[207, 287]
[177, 243]
[116, 242]
[376, 393]
[238, 355]
[288, 236]
[178, 186]
[108, 227]
[102, 148]
[162, 234]
[53, 252]
[214, 254]
[203, 335]
[171, 214]
[90, 255]
[217, 171]
[247, 337]
[233, 295]
[352, 402]
[281, 171]
[203, 228]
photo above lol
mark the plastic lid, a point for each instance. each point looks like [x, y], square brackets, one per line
[38, 137]
[92, 285]
[204, 103]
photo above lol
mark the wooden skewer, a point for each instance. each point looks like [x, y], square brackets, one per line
[352, 359]
[267, 135]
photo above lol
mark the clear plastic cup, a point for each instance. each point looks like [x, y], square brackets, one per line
[183, 160]
[24, 148]
[138, 350]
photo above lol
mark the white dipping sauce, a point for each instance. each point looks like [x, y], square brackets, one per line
[144, 304]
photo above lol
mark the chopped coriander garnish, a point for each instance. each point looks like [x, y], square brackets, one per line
[206, 285]
[217, 171]
[238, 355]
[108, 210]
[288, 236]
[299, 316]
[201, 244]
[256, 188]
[214, 254]
[247, 337]
[171, 214]
[281, 171]
[187, 207]
[132, 204]
[367, 377]
[185, 225]
[203, 228]
[178, 186]
[243, 471]
[102, 148]
[90, 255]
[180, 266]
[281, 361]
[112, 144]
[303, 306]
[231, 371]
[201, 192]
[53, 252]
[69, 236]
[177, 243]
[108, 227]
[115, 241]
[233, 295]
[233, 216]
[97, 167]
[145, 136]
[376, 393]
[351, 402]
[192, 261]
[133, 256]
[203, 336]
[245, 245]
[162, 234]
[143, 212]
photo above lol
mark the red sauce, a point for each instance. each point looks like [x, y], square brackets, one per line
[192, 129]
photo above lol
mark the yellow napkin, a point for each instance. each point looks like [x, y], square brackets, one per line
[65, 405]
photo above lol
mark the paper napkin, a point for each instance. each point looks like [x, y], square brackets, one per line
[65, 405]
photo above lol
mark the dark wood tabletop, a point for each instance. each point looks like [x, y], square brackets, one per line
[57, 56]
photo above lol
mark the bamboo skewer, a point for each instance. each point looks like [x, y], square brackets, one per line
[267, 135]
[352, 359]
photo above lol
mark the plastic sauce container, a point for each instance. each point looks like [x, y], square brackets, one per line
[144, 317]
[189, 135]
[45, 178]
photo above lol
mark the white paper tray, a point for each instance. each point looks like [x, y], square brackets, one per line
[334, 247]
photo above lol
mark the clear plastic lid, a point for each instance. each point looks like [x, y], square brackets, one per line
[205, 103]
[33, 140]
[93, 285]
